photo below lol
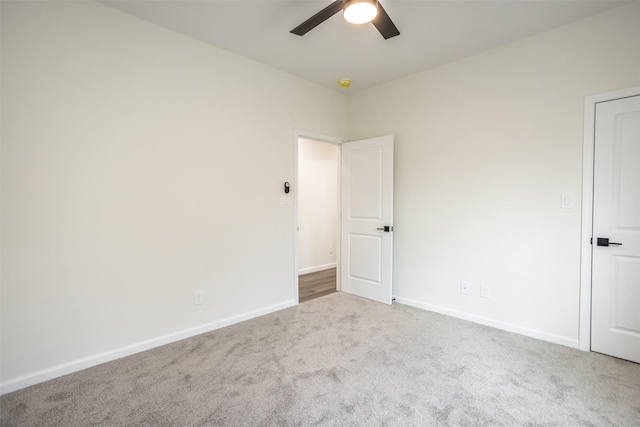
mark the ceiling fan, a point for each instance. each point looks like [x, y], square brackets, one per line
[355, 11]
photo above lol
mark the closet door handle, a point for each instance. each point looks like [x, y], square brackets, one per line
[604, 241]
[386, 229]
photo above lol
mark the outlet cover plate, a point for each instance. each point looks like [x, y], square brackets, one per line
[485, 292]
[198, 298]
[464, 288]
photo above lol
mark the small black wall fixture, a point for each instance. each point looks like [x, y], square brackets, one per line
[286, 187]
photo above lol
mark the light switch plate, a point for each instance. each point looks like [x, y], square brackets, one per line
[284, 202]
[567, 201]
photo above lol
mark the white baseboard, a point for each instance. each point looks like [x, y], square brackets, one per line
[108, 356]
[317, 268]
[509, 327]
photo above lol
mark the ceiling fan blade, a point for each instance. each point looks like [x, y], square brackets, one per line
[318, 18]
[384, 24]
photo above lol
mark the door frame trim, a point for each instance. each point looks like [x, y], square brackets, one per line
[584, 335]
[321, 138]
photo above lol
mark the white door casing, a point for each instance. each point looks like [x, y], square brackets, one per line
[367, 208]
[615, 296]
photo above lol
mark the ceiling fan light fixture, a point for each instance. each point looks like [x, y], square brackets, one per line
[360, 11]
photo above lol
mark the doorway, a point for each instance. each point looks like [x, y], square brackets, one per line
[610, 279]
[318, 213]
[615, 271]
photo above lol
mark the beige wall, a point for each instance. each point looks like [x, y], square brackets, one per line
[318, 164]
[485, 147]
[138, 166]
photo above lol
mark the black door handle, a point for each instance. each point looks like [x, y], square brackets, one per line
[604, 241]
[386, 229]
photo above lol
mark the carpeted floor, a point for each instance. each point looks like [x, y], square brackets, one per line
[342, 360]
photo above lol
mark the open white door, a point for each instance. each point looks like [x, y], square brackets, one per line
[367, 218]
[615, 310]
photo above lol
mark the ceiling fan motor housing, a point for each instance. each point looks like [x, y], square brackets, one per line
[347, 3]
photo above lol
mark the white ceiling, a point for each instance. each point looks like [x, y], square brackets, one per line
[431, 32]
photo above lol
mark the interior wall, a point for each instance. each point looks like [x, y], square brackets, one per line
[485, 147]
[317, 204]
[139, 166]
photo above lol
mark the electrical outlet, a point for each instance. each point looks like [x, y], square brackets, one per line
[330, 249]
[198, 298]
[464, 288]
[485, 292]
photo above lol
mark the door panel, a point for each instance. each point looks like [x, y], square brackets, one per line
[365, 257]
[365, 186]
[615, 312]
[627, 315]
[367, 207]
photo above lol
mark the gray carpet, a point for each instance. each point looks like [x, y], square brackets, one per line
[342, 360]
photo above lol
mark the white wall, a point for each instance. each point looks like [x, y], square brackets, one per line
[138, 166]
[485, 147]
[132, 176]
[317, 204]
